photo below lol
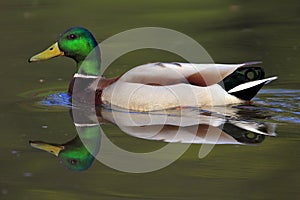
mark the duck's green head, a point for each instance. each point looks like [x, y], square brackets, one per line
[73, 155]
[79, 44]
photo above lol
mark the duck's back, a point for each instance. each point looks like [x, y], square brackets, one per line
[174, 73]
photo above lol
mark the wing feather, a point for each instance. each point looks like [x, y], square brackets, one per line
[175, 73]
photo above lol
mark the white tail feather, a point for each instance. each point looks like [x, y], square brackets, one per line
[251, 84]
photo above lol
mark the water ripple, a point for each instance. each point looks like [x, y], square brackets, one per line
[283, 105]
[280, 105]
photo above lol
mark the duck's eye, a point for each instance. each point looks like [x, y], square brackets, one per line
[72, 36]
[73, 162]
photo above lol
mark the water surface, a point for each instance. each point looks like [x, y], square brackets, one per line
[232, 32]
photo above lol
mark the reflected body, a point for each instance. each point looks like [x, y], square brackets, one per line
[184, 126]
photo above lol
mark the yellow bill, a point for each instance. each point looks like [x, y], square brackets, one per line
[50, 148]
[51, 52]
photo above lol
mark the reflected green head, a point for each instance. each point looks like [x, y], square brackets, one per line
[76, 159]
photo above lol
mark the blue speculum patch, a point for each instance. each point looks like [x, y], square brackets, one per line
[57, 99]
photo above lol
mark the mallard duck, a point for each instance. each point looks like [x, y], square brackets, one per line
[154, 86]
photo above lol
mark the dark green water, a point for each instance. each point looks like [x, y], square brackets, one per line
[231, 31]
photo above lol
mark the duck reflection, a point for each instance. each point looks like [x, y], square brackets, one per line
[188, 125]
[74, 154]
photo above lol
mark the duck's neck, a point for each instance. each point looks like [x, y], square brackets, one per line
[90, 65]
